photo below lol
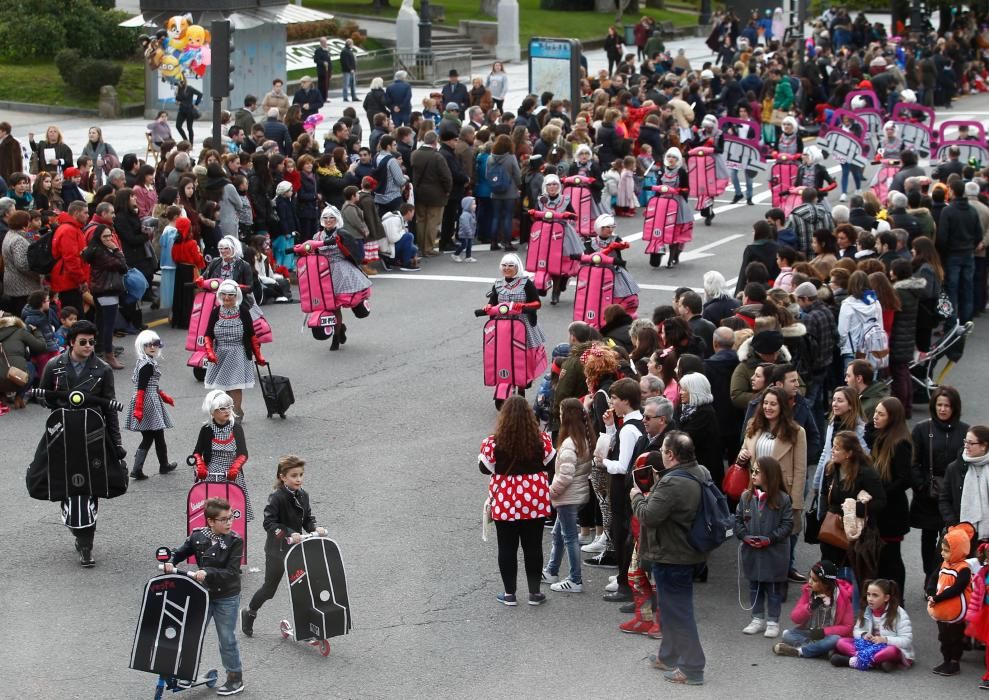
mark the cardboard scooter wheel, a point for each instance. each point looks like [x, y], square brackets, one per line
[324, 647]
[286, 629]
[199, 373]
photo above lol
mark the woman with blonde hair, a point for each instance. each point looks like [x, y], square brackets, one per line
[52, 153]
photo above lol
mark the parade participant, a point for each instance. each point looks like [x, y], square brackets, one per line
[674, 175]
[709, 136]
[221, 448]
[147, 414]
[286, 517]
[231, 344]
[812, 173]
[626, 291]
[585, 165]
[850, 127]
[891, 144]
[790, 141]
[517, 457]
[552, 199]
[78, 368]
[519, 291]
[883, 636]
[218, 551]
[231, 264]
[345, 270]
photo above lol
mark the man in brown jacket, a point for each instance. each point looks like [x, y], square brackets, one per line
[466, 151]
[11, 160]
[431, 184]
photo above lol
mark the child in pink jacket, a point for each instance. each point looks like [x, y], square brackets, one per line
[823, 614]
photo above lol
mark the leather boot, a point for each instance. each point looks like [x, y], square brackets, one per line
[368, 270]
[247, 617]
[137, 472]
[112, 360]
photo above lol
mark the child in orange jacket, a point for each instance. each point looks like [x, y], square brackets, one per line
[947, 599]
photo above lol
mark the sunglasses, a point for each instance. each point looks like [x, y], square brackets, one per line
[154, 344]
[86, 341]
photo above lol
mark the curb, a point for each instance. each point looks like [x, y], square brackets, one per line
[126, 111]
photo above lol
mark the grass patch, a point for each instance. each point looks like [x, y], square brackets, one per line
[364, 63]
[40, 83]
[532, 20]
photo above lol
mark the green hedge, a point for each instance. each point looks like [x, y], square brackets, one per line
[86, 76]
[33, 29]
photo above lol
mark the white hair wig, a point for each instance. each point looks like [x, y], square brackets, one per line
[145, 337]
[513, 259]
[218, 399]
[232, 243]
[549, 179]
[602, 221]
[227, 286]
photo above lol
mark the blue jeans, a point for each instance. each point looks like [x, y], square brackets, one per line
[350, 80]
[464, 245]
[856, 172]
[501, 229]
[681, 645]
[810, 648]
[224, 612]
[958, 281]
[405, 249]
[762, 593]
[484, 209]
[738, 187]
[566, 534]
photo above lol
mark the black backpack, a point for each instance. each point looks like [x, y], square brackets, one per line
[40, 259]
[381, 174]
[713, 521]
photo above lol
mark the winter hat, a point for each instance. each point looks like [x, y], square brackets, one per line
[283, 187]
[825, 570]
[767, 342]
[72, 172]
[805, 290]
[452, 107]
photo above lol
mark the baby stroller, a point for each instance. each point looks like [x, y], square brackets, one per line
[948, 343]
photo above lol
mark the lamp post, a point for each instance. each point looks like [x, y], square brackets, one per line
[705, 16]
[425, 30]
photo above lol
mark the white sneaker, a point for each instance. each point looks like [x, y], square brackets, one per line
[586, 539]
[611, 587]
[756, 626]
[843, 197]
[772, 630]
[567, 586]
[599, 545]
[549, 578]
[456, 258]
[471, 259]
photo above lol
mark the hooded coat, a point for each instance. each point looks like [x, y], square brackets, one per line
[854, 316]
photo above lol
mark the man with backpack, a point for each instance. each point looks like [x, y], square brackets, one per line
[680, 520]
[69, 274]
[627, 443]
[389, 176]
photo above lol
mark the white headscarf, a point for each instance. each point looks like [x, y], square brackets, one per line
[143, 338]
[217, 399]
[513, 259]
[228, 286]
[602, 221]
[549, 179]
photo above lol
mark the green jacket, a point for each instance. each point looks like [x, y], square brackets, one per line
[571, 383]
[783, 98]
[665, 517]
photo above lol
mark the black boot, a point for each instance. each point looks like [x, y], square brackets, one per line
[85, 550]
[675, 253]
[708, 215]
[138, 471]
[167, 467]
[335, 342]
[234, 684]
[247, 621]
[343, 333]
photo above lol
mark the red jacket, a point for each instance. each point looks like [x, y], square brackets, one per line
[844, 617]
[70, 271]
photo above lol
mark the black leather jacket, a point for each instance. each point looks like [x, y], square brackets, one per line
[220, 561]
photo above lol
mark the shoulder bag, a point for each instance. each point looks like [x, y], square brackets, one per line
[832, 529]
[14, 375]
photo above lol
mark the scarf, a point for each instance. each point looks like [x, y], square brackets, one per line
[975, 494]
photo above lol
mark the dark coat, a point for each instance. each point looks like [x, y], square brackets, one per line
[959, 230]
[11, 159]
[763, 251]
[288, 220]
[770, 563]
[95, 377]
[903, 339]
[220, 561]
[702, 427]
[106, 270]
[867, 479]
[899, 218]
[457, 174]
[718, 369]
[618, 331]
[287, 513]
[456, 93]
[17, 342]
[942, 442]
[894, 521]
[432, 179]
[714, 310]
[305, 199]
[242, 272]
[950, 502]
[275, 131]
[311, 97]
[859, 217]
[398, 99]
[609, 145]
[375, 102]
[127, 224]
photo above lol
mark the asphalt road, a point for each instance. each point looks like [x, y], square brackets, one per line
[390, 427]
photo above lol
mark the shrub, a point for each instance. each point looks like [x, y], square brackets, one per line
[66, 61]
[93, 30]
[93, 73]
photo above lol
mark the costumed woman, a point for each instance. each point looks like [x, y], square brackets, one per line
[626, 290]
[585, 165]
[674, 175]
[147, 414]
[552, 199]
[351, 287]
[789, 141]
[709, 136]
[231, 345]
[517, 289]
[812, 173]
[221, 449]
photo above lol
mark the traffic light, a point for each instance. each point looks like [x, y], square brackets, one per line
[221, 70]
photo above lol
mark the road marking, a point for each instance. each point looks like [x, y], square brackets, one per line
[699, 252]
[491, 280]
[158, 322]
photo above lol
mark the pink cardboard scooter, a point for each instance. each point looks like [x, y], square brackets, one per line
[506, 358]
[545, 258]
[782, 177]
[596, 287]
[660, 229]
[578, 190]
[319, 301]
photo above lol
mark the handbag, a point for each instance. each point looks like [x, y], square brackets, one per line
[735, 482]
[832, 529]
[812, 524]
[14, 375]
[371, 252]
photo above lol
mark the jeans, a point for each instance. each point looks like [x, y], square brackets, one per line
[809, 648]
[350, 80]
[981, 280]
[224, 613]
[763, 592]
[108, 320]
[565, 534]
[621, 525]
[856, 172]
[464, 246]
[528, 533]
[738, 187]
[405, 249]
[681, 645]
[484, 210]
[501, 229]
[958, 277]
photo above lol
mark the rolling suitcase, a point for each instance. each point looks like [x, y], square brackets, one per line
[277, 392]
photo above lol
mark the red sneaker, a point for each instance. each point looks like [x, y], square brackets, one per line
[655, 632]
[636, 625]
